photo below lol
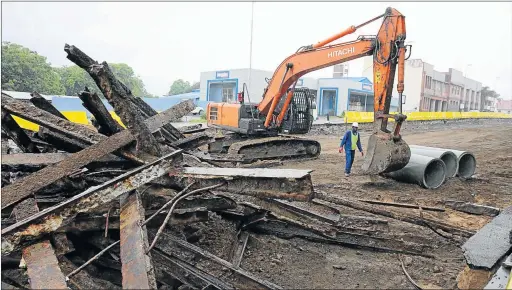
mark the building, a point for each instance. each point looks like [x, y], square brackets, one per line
[488, 103]
[428, 90]
[333, 95]
[504, 106]
[340, 70]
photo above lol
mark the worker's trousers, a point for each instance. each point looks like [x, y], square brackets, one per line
[349, 160]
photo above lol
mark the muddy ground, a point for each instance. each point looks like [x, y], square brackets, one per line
[297, 263]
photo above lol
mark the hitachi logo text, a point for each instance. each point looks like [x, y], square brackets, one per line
[341, 52]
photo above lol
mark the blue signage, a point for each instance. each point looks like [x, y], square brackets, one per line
[222, 74]
[367, 87]
[300, 82]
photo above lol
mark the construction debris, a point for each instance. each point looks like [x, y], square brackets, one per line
[472, 208]
[490, 243]
[142, 205]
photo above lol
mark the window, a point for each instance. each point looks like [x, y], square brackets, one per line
[227, 95]
[428, 82]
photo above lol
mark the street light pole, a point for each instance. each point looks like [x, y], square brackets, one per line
[250, 45]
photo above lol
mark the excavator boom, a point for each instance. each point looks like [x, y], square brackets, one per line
[386, 150]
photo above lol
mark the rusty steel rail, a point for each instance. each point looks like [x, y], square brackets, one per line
[185, 272]
[290, 184]
[31, 184]
[24, 232]
[250, 281]
[42, 265]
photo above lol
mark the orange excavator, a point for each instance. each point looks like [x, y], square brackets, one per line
[256, 130]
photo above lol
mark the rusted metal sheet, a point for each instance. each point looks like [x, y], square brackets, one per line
[46, 176]
[51, 219]
[42, 265]
[14, 131]
[137, 269]
[250, 281]
[290, 184]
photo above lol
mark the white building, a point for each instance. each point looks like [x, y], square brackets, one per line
[429, 90]
[333, 95]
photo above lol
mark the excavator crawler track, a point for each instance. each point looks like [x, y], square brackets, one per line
[282, 147]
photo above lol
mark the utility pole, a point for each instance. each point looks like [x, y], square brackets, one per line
[250, 46]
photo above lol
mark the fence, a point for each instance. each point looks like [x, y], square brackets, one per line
[81, 117]
[367, 117]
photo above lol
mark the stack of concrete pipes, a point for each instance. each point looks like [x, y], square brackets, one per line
[430, 166]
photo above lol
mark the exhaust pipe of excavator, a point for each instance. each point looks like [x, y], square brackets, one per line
[385, 154]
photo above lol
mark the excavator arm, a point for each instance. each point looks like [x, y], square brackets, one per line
[387, 49]
[386, 152]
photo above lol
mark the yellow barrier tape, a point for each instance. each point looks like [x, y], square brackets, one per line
[350, 117]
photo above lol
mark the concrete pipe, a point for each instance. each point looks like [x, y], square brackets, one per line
[426, 171]
[467, 161]
[449, 158]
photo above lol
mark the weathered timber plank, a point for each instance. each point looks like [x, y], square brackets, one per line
[48, 120]
[118, 95]
[14, 131]
[279, 183]
[43, 104]
[422, 221]
[150, 112]
[51, 219]
[107, 125]
[42, 265]
[46, 176]
[137, 269]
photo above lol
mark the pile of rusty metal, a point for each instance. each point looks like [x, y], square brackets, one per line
[106, 207]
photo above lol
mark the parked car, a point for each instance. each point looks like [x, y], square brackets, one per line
[197, 111]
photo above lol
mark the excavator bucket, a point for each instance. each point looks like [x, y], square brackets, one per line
[385, 154]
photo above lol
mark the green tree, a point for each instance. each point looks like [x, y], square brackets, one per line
[75, 79]
[179, 87]
[126, 75]
[195, 86]
[487, 92]
[26, 71]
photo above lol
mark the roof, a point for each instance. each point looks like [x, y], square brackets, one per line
[192, 95]
[24, 95]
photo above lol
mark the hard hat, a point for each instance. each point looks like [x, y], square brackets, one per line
[355, 124]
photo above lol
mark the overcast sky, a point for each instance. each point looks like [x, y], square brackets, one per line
[164, 41]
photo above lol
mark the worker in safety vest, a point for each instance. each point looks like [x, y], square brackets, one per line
[350, 141]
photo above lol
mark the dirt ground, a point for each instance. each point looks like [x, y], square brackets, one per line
[298, 263]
